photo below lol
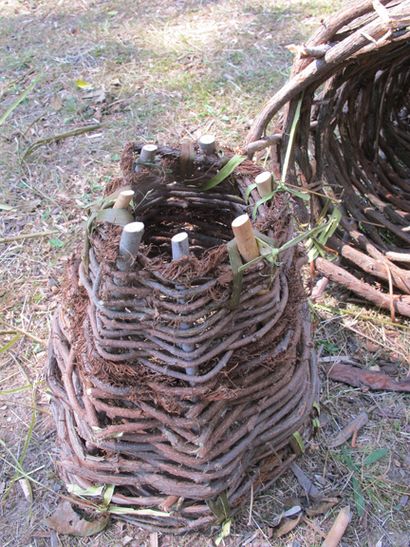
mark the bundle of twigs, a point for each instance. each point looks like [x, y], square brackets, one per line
[350, 83]
[181, 386]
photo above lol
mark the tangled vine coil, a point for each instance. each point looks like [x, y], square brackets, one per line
[352, 144]
[164, 386]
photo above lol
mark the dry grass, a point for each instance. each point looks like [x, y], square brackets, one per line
[160, 70]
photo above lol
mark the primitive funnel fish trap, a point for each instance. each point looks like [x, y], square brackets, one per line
[352, 143]
[181, 382]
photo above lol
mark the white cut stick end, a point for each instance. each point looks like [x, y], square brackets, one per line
[124, 199]
[148, 152]
[180, 245]
[263, 183]
[130, 241]
[207, 144]
[245, 238]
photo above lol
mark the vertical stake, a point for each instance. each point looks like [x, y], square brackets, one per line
[180, 248]
[180, 245]
[263, 183]
[245, 238]
[207, 144]
[148, 152]
[130, 240]
[124, 199]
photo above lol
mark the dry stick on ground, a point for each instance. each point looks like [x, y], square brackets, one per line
[59, 137]
[339, 528]
[350, 429]
[357, 377]
[20, 237]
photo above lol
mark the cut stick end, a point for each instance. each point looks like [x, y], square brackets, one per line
[240, 221]
[148, 152]
[180, 245]
[263, 183]
[207, 144]
[245, 238]
[124, 199]
[134, 227]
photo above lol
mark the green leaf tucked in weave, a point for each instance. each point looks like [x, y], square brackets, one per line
[316, 245]
[224, 173]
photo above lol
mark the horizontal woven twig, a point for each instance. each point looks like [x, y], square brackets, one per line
[160, 385]
[353, 144]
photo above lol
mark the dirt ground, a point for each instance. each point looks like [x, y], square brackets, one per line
[163, 70]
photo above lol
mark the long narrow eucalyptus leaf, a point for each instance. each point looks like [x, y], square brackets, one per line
[249, 190]
[224, 173]
[291, 139]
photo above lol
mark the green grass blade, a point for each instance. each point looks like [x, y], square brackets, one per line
[295, 122]
[11, 343]
[15, 390]
[358, 497]
[375, 456]
[19, 100]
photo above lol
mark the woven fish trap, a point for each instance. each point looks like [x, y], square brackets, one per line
[180, 386]
[352, 144]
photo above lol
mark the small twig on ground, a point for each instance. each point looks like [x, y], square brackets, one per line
[20, 237]
[350, 429]
[250, 507]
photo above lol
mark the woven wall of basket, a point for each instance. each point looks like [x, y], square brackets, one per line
[349, 88]
[181, 378]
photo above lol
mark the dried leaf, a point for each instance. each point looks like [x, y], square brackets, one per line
[91, 491]
[322, 506]
[82, 84]
[5, 207]
[297, 443]
[66, 521]
[287, 526]
[351, 428]
[225, 532]
[26, 488]
[305, 482]
[121, 217]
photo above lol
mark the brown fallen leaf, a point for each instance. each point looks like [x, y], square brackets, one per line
[349, 430]
[322, 506]
[357, 377]
[305, 482]
[287, 526]
[65, 520]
